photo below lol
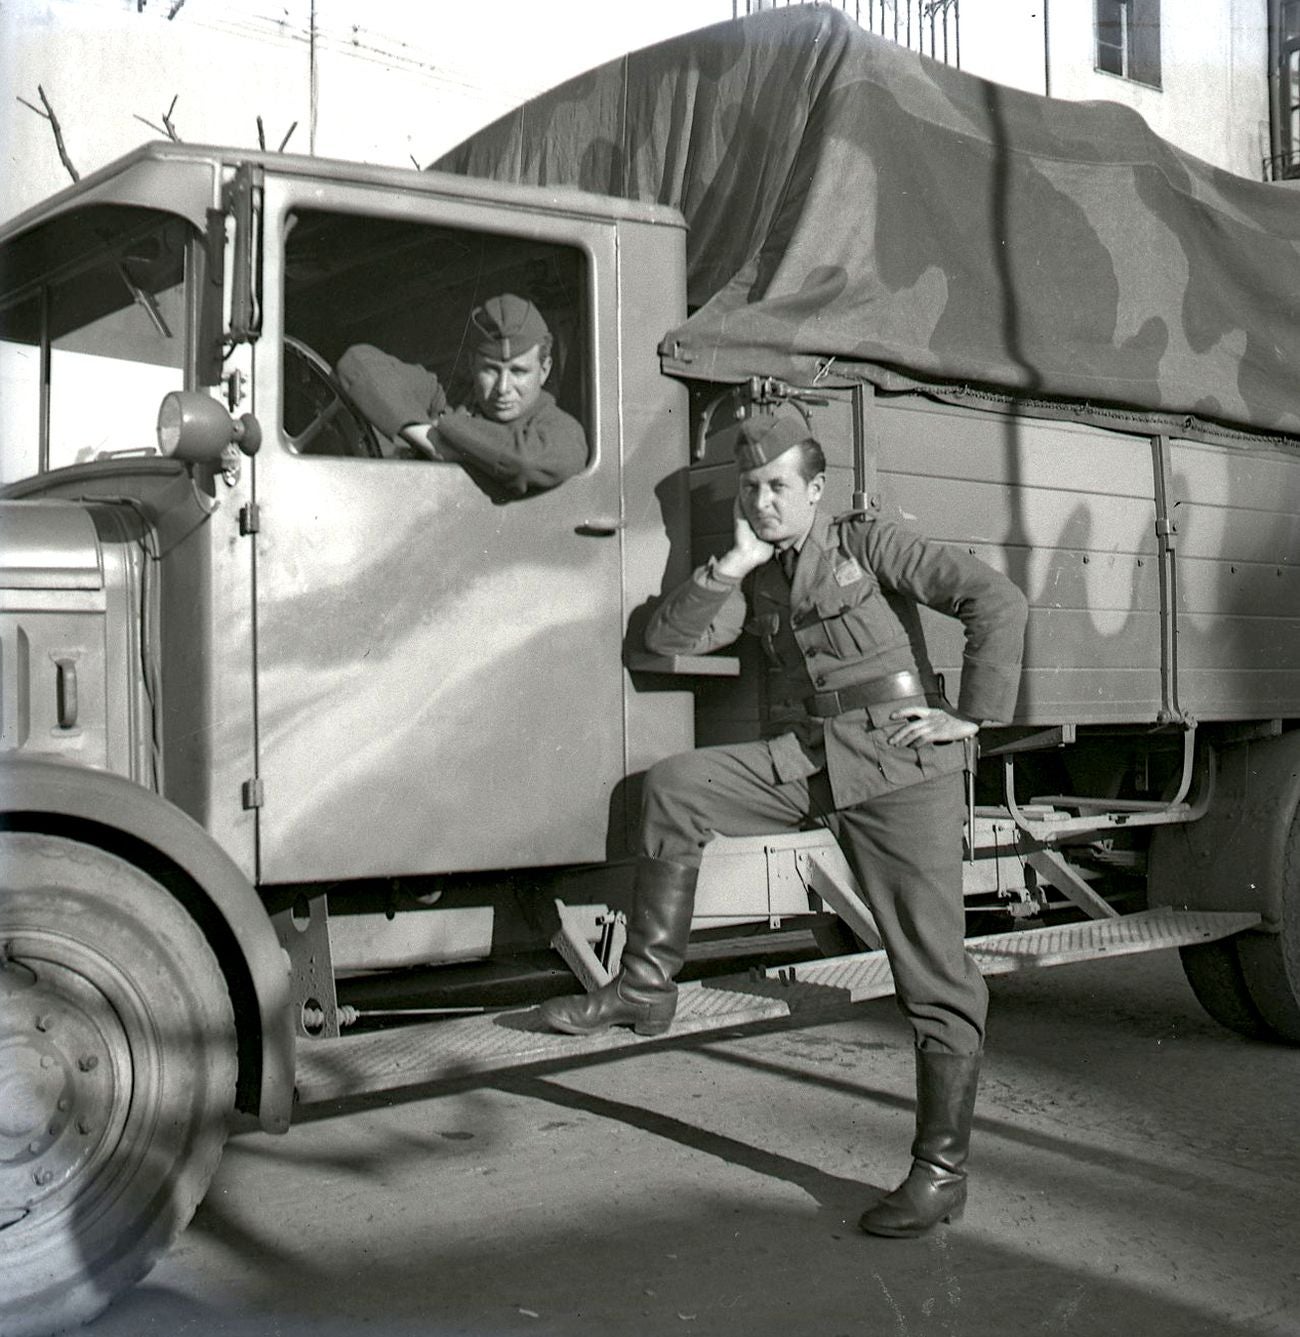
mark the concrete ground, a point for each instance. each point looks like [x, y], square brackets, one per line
[1136, 1171]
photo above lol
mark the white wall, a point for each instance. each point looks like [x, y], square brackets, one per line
[1214, 55]
[393, 79]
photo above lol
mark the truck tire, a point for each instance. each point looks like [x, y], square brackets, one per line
[117, 1077]
[1270, 962]
[1213, 969]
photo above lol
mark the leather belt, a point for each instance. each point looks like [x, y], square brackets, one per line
[873, 692]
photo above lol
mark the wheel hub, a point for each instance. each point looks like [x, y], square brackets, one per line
[57, 1080]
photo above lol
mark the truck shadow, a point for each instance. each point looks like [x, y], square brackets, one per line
[583, 1196]
[744, 1241]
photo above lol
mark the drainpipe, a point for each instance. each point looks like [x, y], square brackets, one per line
[1273, 168]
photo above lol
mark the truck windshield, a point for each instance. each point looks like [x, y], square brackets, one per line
[93, 332]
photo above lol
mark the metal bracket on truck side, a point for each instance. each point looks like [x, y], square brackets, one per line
[1103, 814]
[866, 449]
[243, 198]
[591, 939]
[304, 933]
[763, 392]
[1236, 859]
[1170, 711]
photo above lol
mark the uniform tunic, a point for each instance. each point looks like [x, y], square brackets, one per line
[845, 620]
[536, 451]
[848, 617]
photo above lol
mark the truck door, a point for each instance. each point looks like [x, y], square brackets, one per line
[439, 670]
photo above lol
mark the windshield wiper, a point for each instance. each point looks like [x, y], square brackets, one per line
[147, 300]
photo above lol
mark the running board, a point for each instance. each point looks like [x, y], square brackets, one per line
[454, 1048]
[867, 974]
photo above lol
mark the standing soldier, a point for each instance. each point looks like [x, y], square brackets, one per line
[858, 737]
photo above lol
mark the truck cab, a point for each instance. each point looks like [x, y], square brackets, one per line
[352, 644]
[252, 653]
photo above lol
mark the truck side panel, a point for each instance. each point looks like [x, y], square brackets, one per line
[1069, 512]
[1237, 543]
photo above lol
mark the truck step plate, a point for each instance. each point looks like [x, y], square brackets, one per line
[868, 976]
[416, 1053]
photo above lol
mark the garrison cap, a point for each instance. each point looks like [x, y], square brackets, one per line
[764, 436]
[506, 326]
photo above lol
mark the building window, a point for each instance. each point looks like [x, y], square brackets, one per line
[1128, 39]
[1284, 42]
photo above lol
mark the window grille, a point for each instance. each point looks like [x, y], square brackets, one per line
[1284, 43]
[931, 27]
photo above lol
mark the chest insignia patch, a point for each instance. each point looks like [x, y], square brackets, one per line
[848, 572]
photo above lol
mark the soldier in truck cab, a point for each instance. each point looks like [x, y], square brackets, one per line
[513, 435]
[858, 738]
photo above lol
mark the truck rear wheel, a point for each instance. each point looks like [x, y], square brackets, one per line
[1214, 972]
[117, 1077]
[1270, 962]
[1251, 982]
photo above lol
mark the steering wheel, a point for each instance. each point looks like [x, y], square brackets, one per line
[319, 417]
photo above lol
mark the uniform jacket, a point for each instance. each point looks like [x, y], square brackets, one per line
[534, 452]
[849, 616]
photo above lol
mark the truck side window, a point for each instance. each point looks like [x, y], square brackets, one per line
[394, 301]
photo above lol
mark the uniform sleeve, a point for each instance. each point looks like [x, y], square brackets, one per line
[991, 608]
[703, 613]
[392, 394]
[536, 453]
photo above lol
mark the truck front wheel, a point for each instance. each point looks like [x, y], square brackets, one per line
[117, 1077]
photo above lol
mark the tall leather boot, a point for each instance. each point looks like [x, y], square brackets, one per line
[642, 995]
[935, 1188]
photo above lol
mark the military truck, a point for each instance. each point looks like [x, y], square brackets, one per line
[299, 733]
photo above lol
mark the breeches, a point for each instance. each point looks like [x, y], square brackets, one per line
[905, 848]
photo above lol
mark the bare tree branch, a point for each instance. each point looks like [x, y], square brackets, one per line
[167, 127]
[176, 7]
[261, 135]
[49, 115]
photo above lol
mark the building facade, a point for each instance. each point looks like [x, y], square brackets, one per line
[392, 83]
[1219, 78]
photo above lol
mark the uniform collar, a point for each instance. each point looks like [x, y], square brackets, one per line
[811, 552]
[816, 535]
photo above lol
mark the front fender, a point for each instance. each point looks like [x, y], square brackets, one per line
[103, 809]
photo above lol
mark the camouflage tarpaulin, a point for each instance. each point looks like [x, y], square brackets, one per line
[849, 199]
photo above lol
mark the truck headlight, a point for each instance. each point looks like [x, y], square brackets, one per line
[194, 426]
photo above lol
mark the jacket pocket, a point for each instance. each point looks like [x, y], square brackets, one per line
[825, 627]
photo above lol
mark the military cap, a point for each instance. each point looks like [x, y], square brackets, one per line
[506, 326]
[763, 436]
